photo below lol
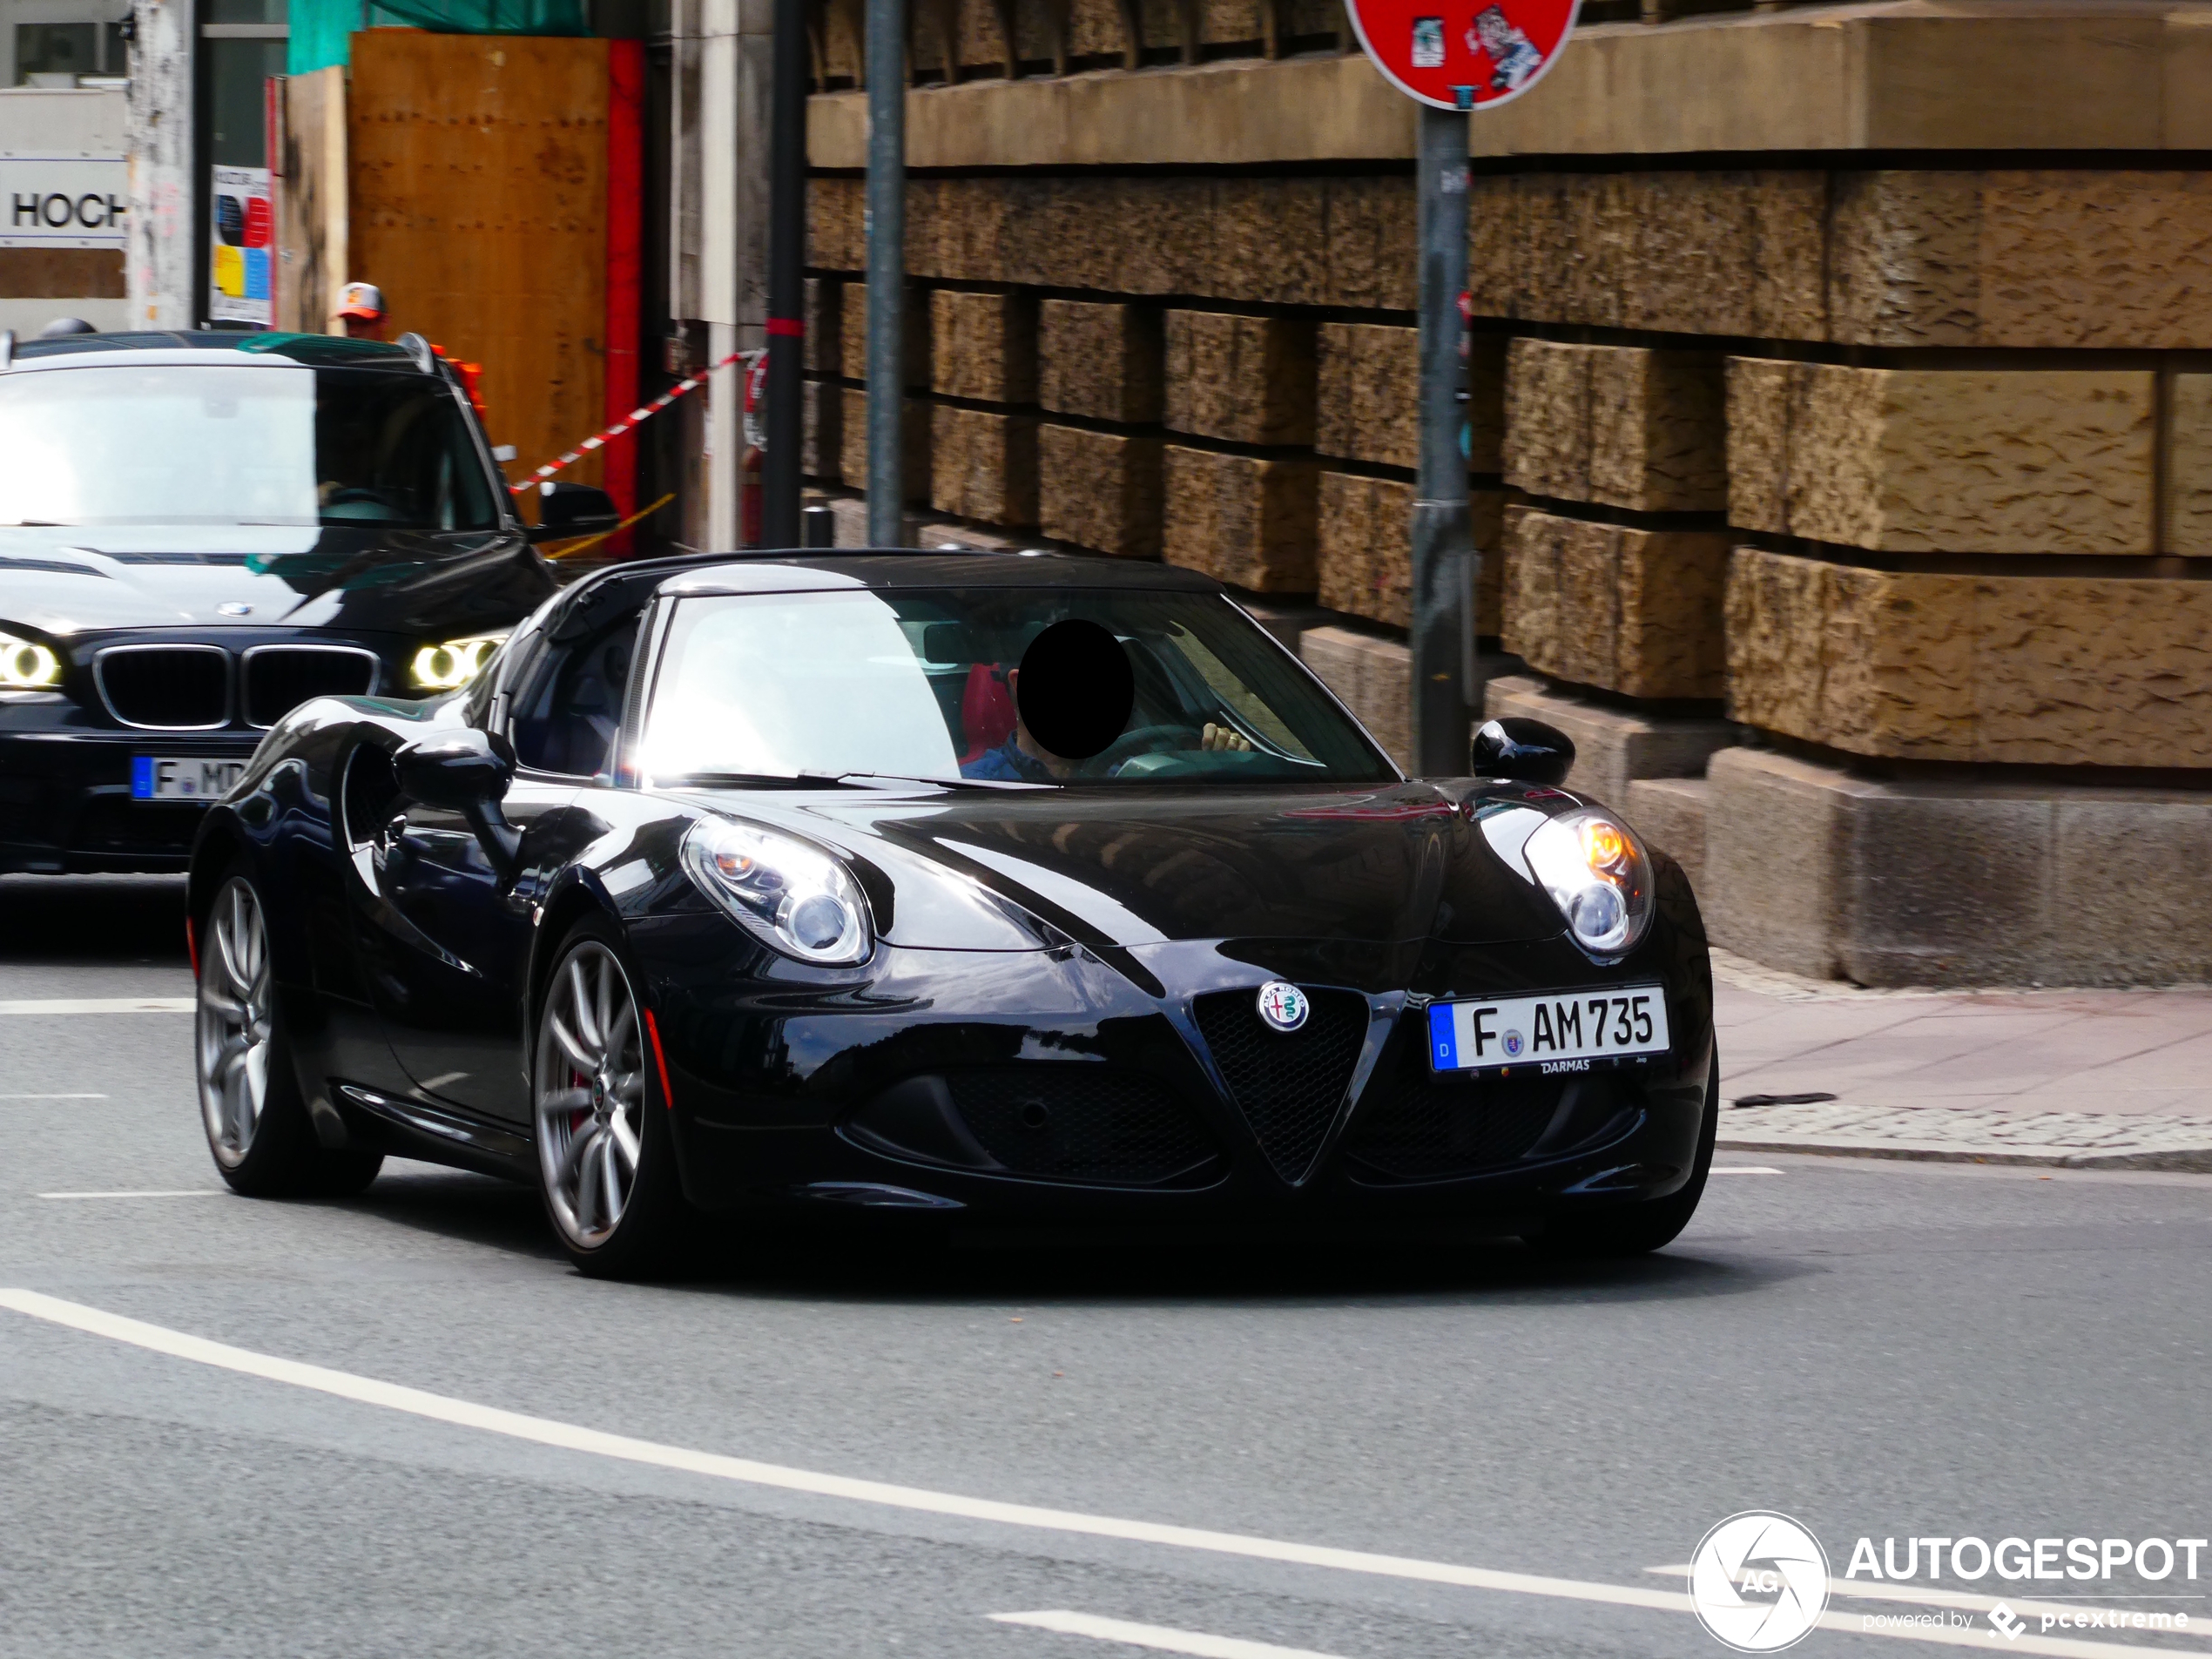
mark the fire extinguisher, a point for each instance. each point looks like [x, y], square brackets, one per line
[756, 447]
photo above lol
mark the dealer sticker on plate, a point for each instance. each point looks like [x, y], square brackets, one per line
[182, 776]
[1573, 1031]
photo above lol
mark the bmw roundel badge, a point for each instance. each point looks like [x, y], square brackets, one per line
[1283, 1006]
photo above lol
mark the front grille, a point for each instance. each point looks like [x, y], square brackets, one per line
[279, 678]
[1288, 1084]
[113, 824]
[1423, 1127]
[176, 688]
[1081, 1122]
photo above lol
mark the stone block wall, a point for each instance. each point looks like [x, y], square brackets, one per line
[1264, 431]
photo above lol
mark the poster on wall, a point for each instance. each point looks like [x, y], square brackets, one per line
[241, 247]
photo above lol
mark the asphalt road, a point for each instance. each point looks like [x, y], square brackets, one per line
[1874, 1349]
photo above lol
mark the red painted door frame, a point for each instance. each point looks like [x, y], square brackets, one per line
[626, 256]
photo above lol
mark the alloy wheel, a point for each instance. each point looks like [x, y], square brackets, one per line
[590, 1095]
[233, 1023]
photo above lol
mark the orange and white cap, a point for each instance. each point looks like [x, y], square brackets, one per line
[363, 300]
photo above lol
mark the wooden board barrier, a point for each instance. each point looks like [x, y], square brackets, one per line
[479, 172]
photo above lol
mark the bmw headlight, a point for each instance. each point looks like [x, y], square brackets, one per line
[1599, 877]
[792, 895]
[449, 666]
[25, 665]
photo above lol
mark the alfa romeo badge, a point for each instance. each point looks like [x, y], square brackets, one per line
[1282, 1007]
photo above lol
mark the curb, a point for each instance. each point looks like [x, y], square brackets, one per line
[2181, 1160]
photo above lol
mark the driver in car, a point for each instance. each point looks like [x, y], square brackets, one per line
[1021, 759]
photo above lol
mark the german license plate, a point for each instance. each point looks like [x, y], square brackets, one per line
[182, 776]
[1572, 1031]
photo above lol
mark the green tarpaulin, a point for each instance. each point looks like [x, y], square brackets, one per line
[322, 30]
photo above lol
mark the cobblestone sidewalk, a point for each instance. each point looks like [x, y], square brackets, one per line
[2118, 1079]
[1993, 1135]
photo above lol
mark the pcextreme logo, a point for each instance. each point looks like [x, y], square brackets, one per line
[1759, 1582]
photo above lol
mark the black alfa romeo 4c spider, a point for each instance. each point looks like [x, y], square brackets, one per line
[1020, 885]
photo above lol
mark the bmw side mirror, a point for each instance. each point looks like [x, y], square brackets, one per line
[465, 771]
[1526, 751]
[572, 510]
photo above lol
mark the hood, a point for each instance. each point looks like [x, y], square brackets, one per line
[66, 581]
[1138, 867]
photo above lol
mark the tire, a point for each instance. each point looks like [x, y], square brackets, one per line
[606, 1159]
[1637, 1229]
[258, 1129]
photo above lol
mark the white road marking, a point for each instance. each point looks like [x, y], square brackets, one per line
[1928, 1595]
[1741, 1168]
[103, 1005]
[1154, 1636]
[53, 1096]
[151, 1192]
[545, 1431]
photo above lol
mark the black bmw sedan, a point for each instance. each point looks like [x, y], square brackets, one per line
[198, 532]
[1016, 886]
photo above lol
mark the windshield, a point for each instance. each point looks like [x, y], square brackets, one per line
[246, 444]
[925, 684]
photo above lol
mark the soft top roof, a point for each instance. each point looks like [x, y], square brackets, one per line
[316, 351]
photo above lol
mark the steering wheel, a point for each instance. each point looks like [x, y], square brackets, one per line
[357, 496]
[1143, 740]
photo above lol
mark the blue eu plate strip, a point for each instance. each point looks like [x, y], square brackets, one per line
[141, 777]
[1443, 1040]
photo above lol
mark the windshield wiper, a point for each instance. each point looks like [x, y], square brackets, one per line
[751, 780]
[942, 783]
[825, 780]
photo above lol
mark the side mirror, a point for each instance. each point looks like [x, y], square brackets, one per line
[454, 770]
[468, 772]
[1527, 750]
[573, 510]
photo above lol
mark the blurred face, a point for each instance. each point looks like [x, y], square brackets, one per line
[364, 327]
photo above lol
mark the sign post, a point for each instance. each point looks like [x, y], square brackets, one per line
[1453, 60]
[1445, 558]
[887, 256]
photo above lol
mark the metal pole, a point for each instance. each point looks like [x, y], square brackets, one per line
[786, 277]
[886, 239]
[1442, 532]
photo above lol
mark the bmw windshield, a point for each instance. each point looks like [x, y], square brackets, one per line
[930, 684]
[264, 443]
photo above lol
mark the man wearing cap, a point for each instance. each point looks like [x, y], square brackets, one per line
[360, 307]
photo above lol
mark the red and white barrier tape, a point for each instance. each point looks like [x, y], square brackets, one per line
[644, 413]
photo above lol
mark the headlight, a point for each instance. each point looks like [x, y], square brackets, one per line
[452, 666]
[1600, 878]
[792, 895]
[27, 666]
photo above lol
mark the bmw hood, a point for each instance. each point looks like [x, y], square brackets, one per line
[1139, 868]
[66, 581]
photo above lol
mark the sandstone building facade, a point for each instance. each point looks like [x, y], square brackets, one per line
[1841, 413]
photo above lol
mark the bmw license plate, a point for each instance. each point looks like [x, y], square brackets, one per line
[1573, 1031]
[182, 776]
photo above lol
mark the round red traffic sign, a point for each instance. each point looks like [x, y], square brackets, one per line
[1466, 55]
